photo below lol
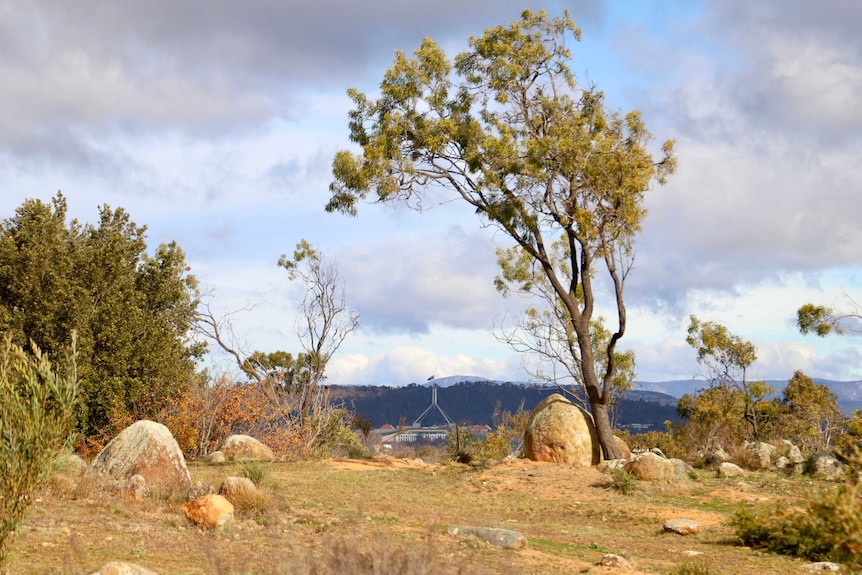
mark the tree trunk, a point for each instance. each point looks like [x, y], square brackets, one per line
[605, 431]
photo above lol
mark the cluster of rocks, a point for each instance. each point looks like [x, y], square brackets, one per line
[560, 431]
[144, 460]
[785, 457]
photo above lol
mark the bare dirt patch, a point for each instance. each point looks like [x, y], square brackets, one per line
[394, 509]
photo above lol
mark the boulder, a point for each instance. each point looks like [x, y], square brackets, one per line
[623, 448]
[650, 467]
[216, 457]
[148, 449]
[682, 526]
[122, 568]
[794, 455]
[209, 511]
[728, 469]
[245, 447]
[237, 489]
[561, 432]
[825, 465]
[762, 451]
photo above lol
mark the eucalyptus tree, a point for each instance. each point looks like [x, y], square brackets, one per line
[823, 320]
[727, 358]
[506, 129]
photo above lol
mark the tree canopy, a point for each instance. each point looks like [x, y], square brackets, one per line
[133, 312]
[506, 128]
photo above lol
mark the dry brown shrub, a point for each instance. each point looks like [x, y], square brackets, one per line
[743, 457]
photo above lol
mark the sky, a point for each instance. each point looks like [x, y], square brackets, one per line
[215, 123]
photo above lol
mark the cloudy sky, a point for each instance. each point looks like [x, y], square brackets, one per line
[214, 123]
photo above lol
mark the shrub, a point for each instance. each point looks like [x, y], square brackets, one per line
[623, 481]
[697, 566]
[256, 471]
[830, 528]
[36, 419]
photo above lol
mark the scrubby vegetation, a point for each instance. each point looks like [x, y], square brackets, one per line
[37, 415]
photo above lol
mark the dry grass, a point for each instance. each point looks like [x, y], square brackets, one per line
[394, 516]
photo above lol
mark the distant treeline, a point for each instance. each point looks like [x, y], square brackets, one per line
[474, 403]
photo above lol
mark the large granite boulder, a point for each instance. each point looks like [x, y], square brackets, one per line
[245, 447]
[651, 467]
[560, 431]
[146, 449]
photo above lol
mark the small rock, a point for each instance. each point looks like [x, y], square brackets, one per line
[497, 537]
[822, 566]
[611, 560]
[728, 469]
[122, 568]
[682, 526]
[237, 489]
[209, 511]
[693, 553]
[215, 457]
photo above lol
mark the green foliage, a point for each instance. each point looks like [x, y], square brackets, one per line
[811, 416]
[830, 528]
[133, 312]
[461, 445]
[820, 320]
[37, 406]
[256, 471]
[504, 128]
[509, 429]
[664, 440]
[695, 566]
[727, 357]
[623, 482]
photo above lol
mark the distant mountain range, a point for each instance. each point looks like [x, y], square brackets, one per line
[849, 392]
[472, 400]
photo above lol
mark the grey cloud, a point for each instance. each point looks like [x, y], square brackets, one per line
[201, 68]
[801, 73]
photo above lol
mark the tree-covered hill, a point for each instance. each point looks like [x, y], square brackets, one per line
[474, 402]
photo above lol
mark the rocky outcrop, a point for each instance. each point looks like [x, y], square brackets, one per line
[147, 449]
[209, 511]
[561, 432]
[245, 447]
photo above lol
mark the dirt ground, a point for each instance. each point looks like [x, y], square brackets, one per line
[390, 508]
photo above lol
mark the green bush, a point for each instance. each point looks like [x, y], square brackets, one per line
[830, 528]
[697, 566]
[253, 470]
[623, 481]
[37, 407]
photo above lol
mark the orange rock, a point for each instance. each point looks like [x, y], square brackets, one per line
[209, 511]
